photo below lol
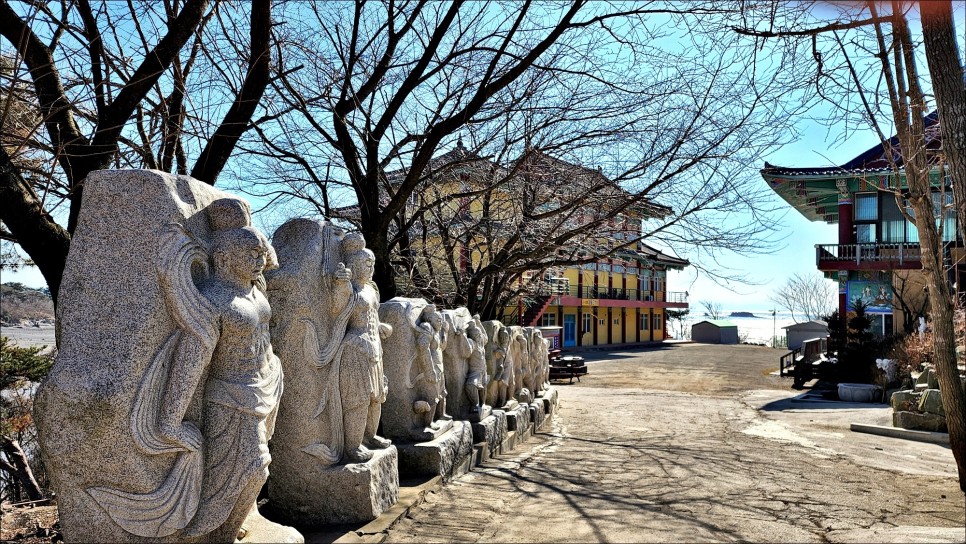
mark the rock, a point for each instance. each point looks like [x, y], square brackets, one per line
[919, 422]
[931, 402]
[904, 400]
[152, 424]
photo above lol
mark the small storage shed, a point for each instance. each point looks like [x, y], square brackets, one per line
[800, 332]
[715, 331]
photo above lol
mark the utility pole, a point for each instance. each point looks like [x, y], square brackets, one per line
[774, 329]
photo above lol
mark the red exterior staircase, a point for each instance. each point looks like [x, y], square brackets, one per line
[535, 309]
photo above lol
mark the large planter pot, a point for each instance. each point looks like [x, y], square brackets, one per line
[859, 392]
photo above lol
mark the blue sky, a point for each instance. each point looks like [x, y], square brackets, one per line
[818, 146]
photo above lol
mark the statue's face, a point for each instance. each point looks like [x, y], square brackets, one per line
[244, 256]
[362, 265]
[246, 263]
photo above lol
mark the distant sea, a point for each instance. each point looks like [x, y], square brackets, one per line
[756, 329]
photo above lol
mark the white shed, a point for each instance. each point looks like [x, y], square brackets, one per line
[715, 331]
[800, 332]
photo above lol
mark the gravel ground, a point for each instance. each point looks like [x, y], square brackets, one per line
[691, 442]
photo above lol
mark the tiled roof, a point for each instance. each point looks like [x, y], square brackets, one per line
[871, 161]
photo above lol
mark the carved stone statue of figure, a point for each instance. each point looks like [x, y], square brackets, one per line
[329, 337]
[414, 366]
[520, 354]
[180, 423]
[464, 361]
[476, 378]
[498, 364]
[436, 334]
[539, 360]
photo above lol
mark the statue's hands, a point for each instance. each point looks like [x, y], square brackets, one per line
[385, 331]
[342, 273]
[186, 435]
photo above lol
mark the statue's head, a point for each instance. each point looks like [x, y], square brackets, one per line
[240, 253]
[431, 316]
[475, 332]
[357, 258]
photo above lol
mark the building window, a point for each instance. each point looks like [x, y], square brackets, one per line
[549, 319]
[657, 322]
[617, 321]
[603, 322]
[587, 323]
[643, 322]
[866, 207]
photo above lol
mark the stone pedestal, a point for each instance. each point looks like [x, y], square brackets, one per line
[447, 456]
[518, 418]
[550, 400]
[491, 431]
[537, 415]
[350, 493]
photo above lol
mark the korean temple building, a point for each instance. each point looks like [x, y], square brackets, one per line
[876, 256]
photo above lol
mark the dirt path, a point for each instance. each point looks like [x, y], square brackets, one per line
[697, 443]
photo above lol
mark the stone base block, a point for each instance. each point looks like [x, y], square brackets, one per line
[518, 418]
[919, 422]
[447, 456]
[510, 442]
[491, 431]
[550, 400]
[537, 415]
[352, 493]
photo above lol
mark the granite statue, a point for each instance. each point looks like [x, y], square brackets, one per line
[415, 406]
[328, 335]
[154, 422]
[498, 364]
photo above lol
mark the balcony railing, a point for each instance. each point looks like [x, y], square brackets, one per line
[889, 254]
[615, 293]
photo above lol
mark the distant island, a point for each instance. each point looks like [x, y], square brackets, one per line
[743, 314]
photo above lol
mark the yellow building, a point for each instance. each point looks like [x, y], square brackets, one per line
[622, 299]
[471, 214]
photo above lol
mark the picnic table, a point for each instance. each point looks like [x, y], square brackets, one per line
[567, 367]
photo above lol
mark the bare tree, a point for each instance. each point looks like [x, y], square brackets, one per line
[712, 309]
[108, 93]
[876, 62]
[809, 296]
[386, 87]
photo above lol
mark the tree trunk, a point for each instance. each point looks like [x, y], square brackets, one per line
[22, 212]
[946, 72]
[20, 468]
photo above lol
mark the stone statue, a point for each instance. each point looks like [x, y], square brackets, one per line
[536, 346]
[543, 354]
[464, 361]
[167, 437]
[415, 407]
[498, 364]
[330, 465]
[520, 354]
[476, 378]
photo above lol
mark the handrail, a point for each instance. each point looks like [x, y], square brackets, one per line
[880, 253]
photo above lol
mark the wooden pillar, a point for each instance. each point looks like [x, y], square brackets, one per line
[610, 326]
[637, 322]
[623, 325]
[580, 326]
[595, 324]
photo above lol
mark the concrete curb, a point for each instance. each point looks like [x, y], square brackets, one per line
[906, 434]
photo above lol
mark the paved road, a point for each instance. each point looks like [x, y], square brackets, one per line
[698, 443]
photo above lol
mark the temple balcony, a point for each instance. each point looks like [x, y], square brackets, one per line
[881, 256]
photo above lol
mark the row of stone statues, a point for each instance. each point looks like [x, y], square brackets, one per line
[177, 321]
